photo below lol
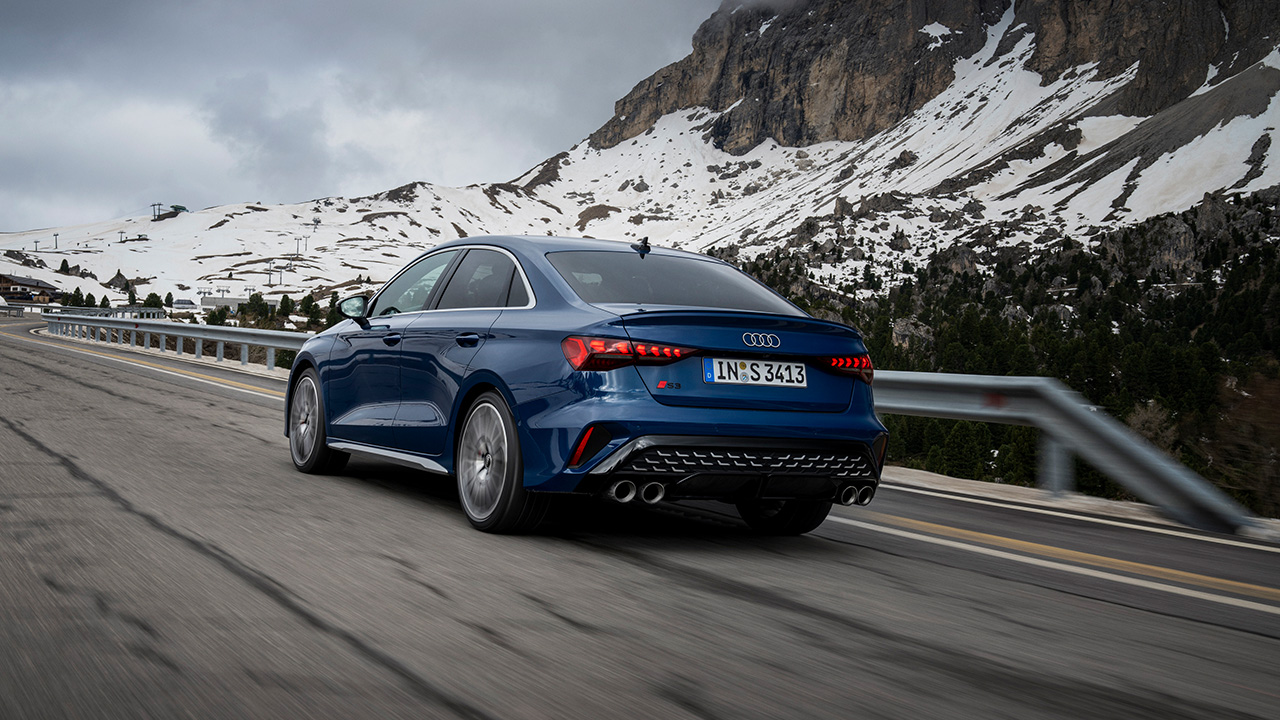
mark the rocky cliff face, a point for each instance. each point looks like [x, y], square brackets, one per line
[811, 71]
[1173, 43]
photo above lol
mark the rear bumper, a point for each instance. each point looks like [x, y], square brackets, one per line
[739, 468]
[554, 421]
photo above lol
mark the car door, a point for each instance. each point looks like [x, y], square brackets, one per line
[363, 376]
[440, 343]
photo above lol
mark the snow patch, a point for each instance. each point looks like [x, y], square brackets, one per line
[1099, 130]
[1208, 81]
[937, 31]
[1215, 160]
[1272, 60]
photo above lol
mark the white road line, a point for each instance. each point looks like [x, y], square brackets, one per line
[1064, 567]
[1086, 518]
[125, 361]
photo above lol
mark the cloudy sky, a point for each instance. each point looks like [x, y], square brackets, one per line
[107, 107]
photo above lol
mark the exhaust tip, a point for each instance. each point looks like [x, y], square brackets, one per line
[622, 491]
[848, 495]
[653, 493]
[866, 494]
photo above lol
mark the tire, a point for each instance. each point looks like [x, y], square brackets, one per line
[784, 517]
[490, 471]
[307, 439]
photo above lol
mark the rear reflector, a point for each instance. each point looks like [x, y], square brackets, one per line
[589, 445]
[856, 365]
[596, 353]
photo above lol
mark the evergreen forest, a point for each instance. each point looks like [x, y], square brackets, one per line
[1171, 325]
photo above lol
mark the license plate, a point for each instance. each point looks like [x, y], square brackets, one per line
[753, 372]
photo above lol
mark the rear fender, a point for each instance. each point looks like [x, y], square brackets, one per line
[476, 384]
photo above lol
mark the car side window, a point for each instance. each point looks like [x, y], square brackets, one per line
[411, 290]
[483, 280]
[519, 295]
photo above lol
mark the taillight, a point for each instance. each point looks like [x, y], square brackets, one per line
[595, 353]
[856, 365]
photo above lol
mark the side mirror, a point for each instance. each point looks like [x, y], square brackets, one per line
[355, 308]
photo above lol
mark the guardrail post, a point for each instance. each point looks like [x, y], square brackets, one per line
[271, 358]
[146, 341]
[244, 353]
[199, 348]
[177, 343]
[133, 338]
[163, 343]
[1055, 471]
[221, 346]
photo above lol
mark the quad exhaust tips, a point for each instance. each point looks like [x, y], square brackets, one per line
[653, 492]
[624, 491]
[865, 494]
[848, 495]
[854, 495]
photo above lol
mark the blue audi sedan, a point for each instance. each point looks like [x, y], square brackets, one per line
[531, 367]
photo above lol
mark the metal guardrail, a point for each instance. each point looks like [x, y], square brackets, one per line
[126, 311]
[1069, 426]
[11, 310]
[139, 332]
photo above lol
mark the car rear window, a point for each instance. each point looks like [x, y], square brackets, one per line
[603, 277]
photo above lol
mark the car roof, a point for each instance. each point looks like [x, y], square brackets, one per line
[540, 244]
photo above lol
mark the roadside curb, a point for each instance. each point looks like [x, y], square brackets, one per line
[1267, 530]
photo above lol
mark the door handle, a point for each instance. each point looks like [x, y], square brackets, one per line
[468, 339]
[392, 339]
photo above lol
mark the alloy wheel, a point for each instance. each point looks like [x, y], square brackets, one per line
[302, 434]
[482, 461]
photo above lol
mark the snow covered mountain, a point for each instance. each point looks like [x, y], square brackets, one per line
[865, 137]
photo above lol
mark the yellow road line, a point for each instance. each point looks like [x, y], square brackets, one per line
[156, 366]
[1014, 505]
[1082, 558]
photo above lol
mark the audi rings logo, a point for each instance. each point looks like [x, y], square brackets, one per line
[761, 340]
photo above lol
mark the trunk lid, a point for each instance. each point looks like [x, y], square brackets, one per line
[736, 349]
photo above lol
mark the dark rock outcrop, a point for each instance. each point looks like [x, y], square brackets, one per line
[811, 71]
[806, 72]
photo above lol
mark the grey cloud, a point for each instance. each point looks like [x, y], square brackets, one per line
[777, 6]
[282, 149]
[488, 87]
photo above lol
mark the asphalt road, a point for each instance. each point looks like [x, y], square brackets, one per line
[159, 557]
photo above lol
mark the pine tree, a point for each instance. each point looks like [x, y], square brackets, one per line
[77, 298]
[334, 317]
[936, 462]
[217, 317]
[168, 300]
[961, 452]
[105, 302]
[90, 301]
